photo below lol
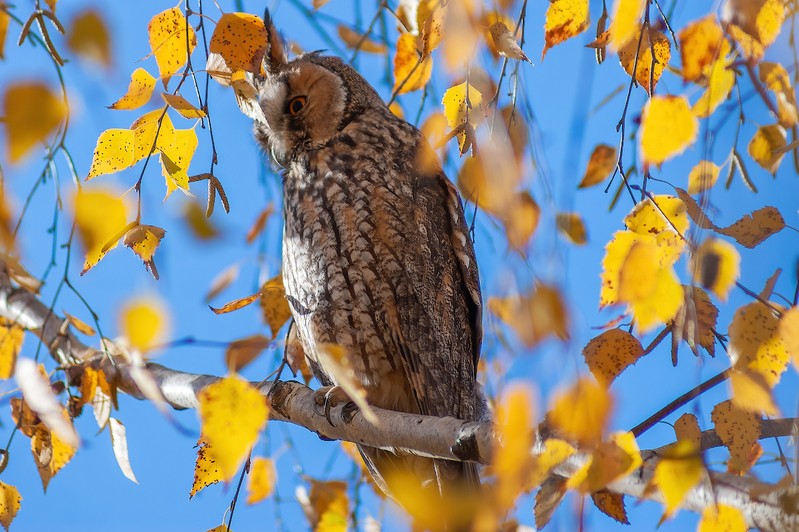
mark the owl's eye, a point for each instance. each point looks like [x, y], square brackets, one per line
[296, 104]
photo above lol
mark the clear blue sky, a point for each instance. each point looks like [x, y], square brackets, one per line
[563, 92]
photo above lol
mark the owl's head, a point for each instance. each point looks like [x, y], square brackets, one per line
[306, 101]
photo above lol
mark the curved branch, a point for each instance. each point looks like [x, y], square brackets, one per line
[769, 507]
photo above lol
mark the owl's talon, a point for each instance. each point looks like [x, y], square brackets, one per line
[349, 411]
[330, 397]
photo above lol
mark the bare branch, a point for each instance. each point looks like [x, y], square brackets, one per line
[765, 506]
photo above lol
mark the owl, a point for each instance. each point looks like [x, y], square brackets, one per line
[377, 256]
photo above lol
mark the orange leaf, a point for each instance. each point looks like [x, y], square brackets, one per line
[31, 113]
[354, 40]
[647, 69]
[411, 72]
[89, 37]
[534, 316]
[233, 413]
[600, 165]
[565, 19]
[754, 228]
[755, 342]
[687, 428]
[610, 353]
[739, 430]
[700, 46]
[10, 499]
[241, 352]
[582, 412]
[169, 42]
[144, 240]
[274, 305]
[571, 225]
[240, 38]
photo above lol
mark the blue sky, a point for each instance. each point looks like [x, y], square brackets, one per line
[564, 93]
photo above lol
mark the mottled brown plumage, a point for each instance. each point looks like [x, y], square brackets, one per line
[377, 257]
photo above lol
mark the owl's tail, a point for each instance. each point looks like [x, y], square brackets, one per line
[438, 494]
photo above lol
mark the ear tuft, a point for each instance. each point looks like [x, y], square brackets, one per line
[275, 54]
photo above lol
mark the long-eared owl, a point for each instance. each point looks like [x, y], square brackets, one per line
[377, 256]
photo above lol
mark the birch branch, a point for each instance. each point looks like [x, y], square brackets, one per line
[765, 506]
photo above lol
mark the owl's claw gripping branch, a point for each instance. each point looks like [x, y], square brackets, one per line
[329, 397]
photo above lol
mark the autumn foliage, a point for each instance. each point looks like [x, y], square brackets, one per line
[704, 108]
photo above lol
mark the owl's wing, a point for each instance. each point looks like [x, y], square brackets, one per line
[440, 328]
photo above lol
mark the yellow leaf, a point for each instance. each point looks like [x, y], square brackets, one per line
[144, 133]
[411, 72]
[240, 38]
[274, 305]
[534, 316]
[144, 240]
[657, 215]
[565, 19]
[700, 46]
[4, 20]
[396, 109]
[184, 107]
[647, 69]
[616, 252]
[100, 216]
[554, 452]
[722, 518]
[429, 21]
[233, 413]
[521, 219]
[600, 165]
[11, 337]
[462, 104]
[241, 352]
[571, 225]
[679, 470]
[721, 80]
[751, 392]
[515, 426]
[176, 158]
[610, 353]
[144, 321]
[327, 508]
[355, 41]
[582, 412]
[169, 41]
[766, 147]
[755, 342]
[139, 91]
[768, 21]
[702, 177]
[626, 20]
[739, 430]
[687, 428]
[31, 113]
[206, 470]
[667, 127]
[50, 453]
[754, 228]
[89, 37]
[789, 332]
[263, 479]
[10, 500]
[113, 152]
[611, 460]
[715, 265]
[648, 284]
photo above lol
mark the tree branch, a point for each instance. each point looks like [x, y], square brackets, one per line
[766, 506]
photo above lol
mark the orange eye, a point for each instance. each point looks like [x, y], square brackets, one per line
[296, 104]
